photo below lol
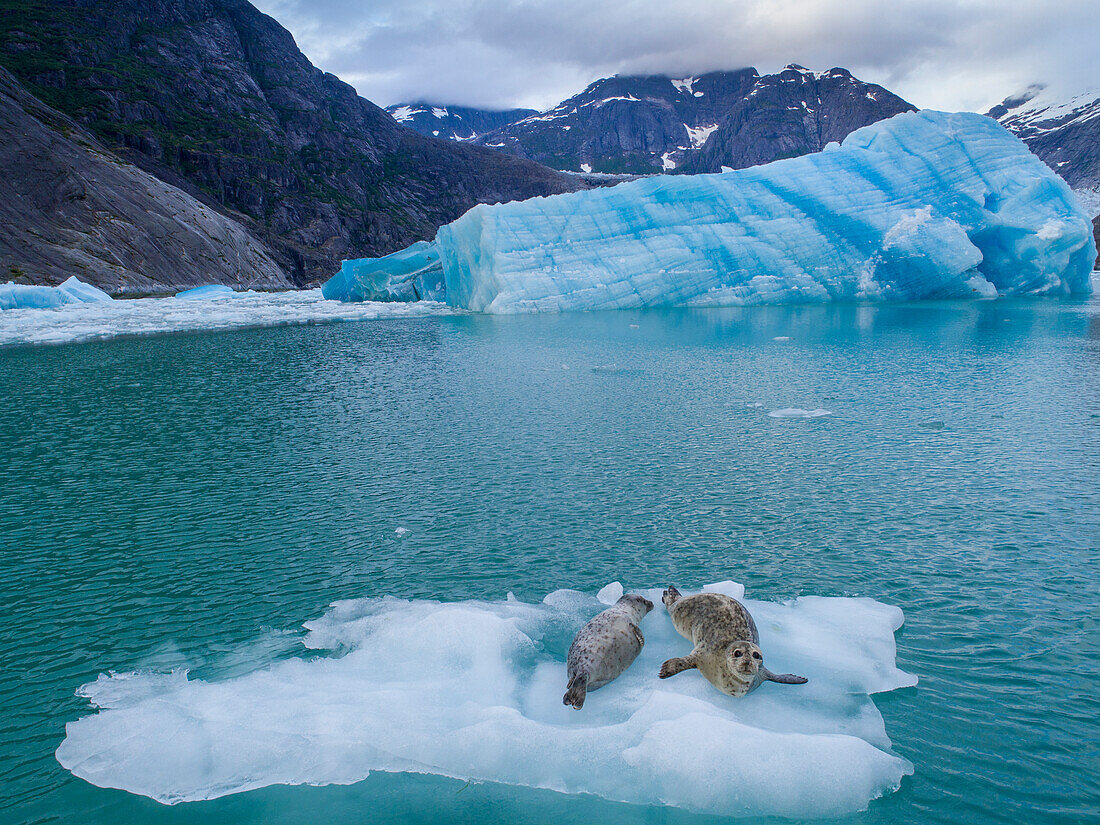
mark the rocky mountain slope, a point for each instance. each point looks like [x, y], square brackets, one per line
[454, 122]
[70, 207]
[214, 97]
[697, 124]
[793, 113]
[1062, 130]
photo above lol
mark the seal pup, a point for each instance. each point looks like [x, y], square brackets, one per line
[727, 645]
[605, 647]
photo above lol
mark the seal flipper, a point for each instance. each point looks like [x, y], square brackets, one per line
[783, 678]
[576, 691]
[677, 665]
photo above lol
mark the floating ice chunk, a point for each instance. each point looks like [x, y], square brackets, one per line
[472, 690]
[207, 291]
[82, 293]
[610, 593]
[412, 274]
[917, 206]
[71, 291]
[798, 412]
[400, 531]
[782, 338]
[726, 588]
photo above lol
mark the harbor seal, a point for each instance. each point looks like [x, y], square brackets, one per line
[727, 645]
[605, 647]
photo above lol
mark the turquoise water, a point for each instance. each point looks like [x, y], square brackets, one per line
[190, 500]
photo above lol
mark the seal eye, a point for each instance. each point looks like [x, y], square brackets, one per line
[755, 655]
[736, 654]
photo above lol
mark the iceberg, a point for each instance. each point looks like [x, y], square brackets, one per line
[923, 205]
[71, 291]
[472, 690]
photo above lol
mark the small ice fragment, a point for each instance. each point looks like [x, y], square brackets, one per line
[634, 326]
[401, 531]
[207, 291]
[565, 366]
[726, 588]
[798, 412]
[754, 405]
[933, 425]
[782, 338]
[610, 593]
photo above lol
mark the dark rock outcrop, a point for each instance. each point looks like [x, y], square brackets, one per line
[1063, 131]
[454, 122]
[215, 97]
[70, 207]
[697, 124]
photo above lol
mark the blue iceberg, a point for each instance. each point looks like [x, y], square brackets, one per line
[72, 291]
[923, 205]
[200, 293]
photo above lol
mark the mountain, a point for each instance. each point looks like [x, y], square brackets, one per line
[631, 124]
[644, 124]
[1063, 130]
[793, 113]
[70, 207]
[454, 122]
[215, 98]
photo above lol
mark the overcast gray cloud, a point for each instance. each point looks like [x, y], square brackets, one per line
[946, 54]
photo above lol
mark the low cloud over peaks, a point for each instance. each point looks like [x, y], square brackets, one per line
[946, 54]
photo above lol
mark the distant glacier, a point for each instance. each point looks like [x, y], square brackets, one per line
[923, 205]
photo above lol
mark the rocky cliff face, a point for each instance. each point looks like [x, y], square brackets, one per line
[626, 124]
[70, 207]
[793, 113]
[1064, 131]
[454, 122]
[214, 97]
[697, 124]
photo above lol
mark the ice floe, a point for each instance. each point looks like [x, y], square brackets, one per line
[798, 412]
[472, 690]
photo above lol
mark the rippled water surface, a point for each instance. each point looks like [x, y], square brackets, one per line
[189, 500]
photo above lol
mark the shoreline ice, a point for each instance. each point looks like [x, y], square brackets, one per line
[208, 310]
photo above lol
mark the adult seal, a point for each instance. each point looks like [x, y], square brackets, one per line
[727, 645]
[605, 647]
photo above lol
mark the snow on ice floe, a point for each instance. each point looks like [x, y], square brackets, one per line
[472, 690]
[146, 316]
[922, 205]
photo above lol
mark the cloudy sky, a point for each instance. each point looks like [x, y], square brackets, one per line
[945, 54]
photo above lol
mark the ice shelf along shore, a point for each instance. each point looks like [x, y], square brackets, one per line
[923, 205]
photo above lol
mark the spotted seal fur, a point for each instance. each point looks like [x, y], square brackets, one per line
[727, 644]
[605, 647]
